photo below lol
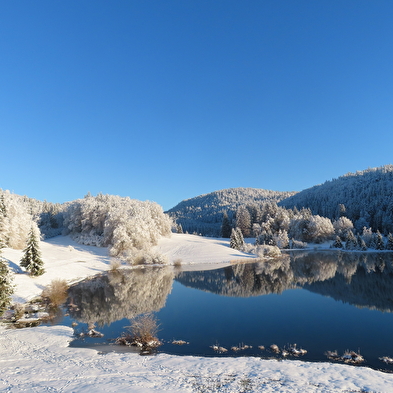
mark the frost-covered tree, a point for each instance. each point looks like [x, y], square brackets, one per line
[389, 243]
[341, 226]
[243, 220]
[6, 287]
[15, 220]
[337, 243]
[124, 225]
[31, 259]
[179, 228]
[233, 241]
[361, 244]
[367, 236]
[236, 240]
[379, 243]
[281, 239]
[351, 243]
[226, 228]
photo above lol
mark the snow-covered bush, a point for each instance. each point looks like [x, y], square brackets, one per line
[145, 257]
[296, 244]
[266, 251]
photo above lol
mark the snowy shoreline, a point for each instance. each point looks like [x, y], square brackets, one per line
[39, 359]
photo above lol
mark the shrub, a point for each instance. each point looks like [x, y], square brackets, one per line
[266, 251]
[142, 332]
[56, 292]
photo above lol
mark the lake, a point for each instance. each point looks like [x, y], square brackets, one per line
[327, 300]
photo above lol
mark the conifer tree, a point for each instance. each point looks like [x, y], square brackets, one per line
[179, 228]
[379, 244]
[233, 243]
[361, 244]
[226, 228]
[351, 243]
[240, 239]
[337, 243]
[31, 260]
[389, 244]
[6, 287]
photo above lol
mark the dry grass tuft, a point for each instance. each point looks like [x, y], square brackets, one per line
[56, 292]
[143, 332]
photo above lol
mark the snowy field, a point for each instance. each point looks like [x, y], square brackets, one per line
[39, 359]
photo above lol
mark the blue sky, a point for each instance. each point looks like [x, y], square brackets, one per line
[167, 100]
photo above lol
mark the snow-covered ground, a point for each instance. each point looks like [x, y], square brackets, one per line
[39, 360]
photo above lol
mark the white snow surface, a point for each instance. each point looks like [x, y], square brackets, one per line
[39, 359]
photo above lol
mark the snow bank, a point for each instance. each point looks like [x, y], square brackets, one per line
[38, 359]
[63, 258]
[198, 250]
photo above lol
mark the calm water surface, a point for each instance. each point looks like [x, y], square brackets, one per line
[319, 300]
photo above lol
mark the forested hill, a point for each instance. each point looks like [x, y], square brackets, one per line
[365, 197]
[204, 213]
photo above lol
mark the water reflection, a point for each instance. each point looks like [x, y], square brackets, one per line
[360, 279]
[363, 280]
[120, 294]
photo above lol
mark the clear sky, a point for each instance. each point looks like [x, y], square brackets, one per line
[167, 100]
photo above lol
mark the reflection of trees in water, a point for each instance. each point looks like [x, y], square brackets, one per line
[120, 294]
[362, 279]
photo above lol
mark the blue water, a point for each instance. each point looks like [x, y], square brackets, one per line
[318, 301]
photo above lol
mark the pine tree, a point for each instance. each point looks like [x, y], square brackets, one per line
[361, 244]
[379, 244]
[389, 244]
[351, 243]
[31, 260]
[337, 243]
[237, 240]
[6, 287]
[179, 228]
[226, 228]
[240, 239]
[243, 220]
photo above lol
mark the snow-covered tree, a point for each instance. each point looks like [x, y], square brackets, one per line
[226, 228]
[31, 259]
[341, 227]
[337, 243]
[389, 243]
[6, 287]
[243, 220]
[236, 240]
[123, 224]
[15, 220]
[351, 243]
[379, 243]
[281, 239]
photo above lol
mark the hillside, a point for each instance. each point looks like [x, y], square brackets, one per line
[203, 214]
[365, 197]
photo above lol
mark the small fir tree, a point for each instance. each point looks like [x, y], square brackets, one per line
[226, 228]
[233, 242]
[240, 239]
[31, 260]
[179, 228]
[337, 243]
[379, 244]
[351, 243]
[361, 244]
[6, 287]
[389, 244]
